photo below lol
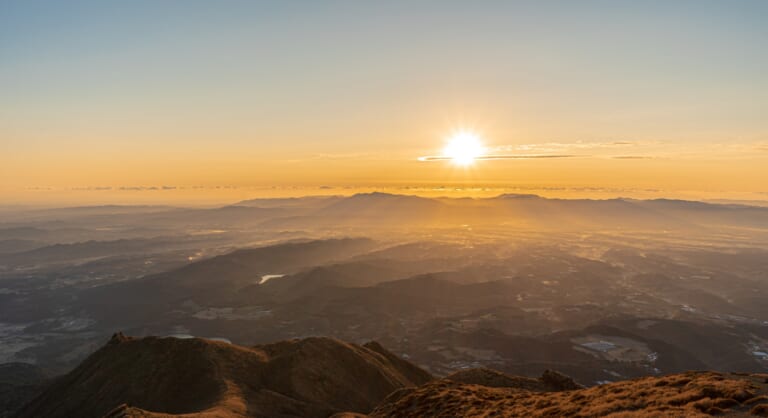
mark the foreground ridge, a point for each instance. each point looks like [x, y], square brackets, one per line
[155, 377]
[687, 394]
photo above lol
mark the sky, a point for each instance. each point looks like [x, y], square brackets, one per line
[122, 101]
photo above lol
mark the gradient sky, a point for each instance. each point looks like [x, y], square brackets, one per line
[667, 95]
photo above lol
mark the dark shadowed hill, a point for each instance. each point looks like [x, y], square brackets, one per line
[19, 383]
[217, 278]
[550, 381]
[321, 377]
[313, 377]
[82, 251]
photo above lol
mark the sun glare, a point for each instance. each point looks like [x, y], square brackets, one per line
[463, 148]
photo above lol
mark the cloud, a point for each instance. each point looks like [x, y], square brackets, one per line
[93, 188]
[343, 156]
[580, 149]
[502, 157]
[558, 147]
[525, 189]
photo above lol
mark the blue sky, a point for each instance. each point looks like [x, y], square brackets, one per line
[292, 79]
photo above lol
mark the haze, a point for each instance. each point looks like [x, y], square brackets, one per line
[389, 209]
[102, 98]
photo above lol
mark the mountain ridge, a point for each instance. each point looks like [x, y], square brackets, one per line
[154, 377]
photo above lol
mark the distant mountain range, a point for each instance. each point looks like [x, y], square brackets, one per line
[388, 210]
[392, 211]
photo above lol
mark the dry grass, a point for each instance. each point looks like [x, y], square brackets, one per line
[689, 394]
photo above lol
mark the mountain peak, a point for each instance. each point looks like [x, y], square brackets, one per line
[118, 338]
[315, 376]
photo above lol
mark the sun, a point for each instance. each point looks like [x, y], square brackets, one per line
[463, 148]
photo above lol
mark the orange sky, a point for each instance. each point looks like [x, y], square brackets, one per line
[216, 104]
